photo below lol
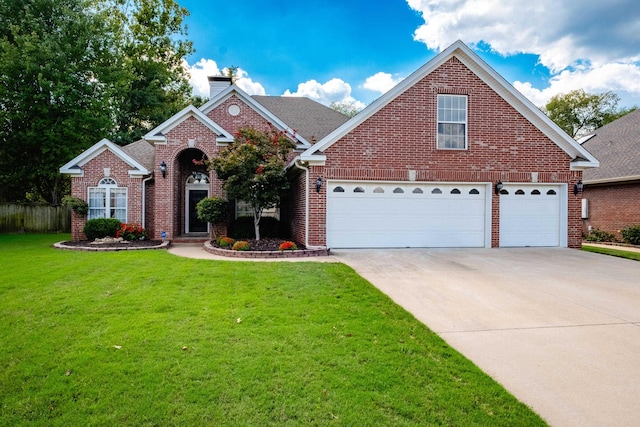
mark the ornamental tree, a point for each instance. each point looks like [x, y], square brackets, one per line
[213, 210]
[253, 168]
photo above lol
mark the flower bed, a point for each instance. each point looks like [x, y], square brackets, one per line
[269, 248]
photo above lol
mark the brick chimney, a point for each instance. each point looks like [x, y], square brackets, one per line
[217, 84]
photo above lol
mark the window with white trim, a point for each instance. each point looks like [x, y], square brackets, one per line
[452, 122]
[245, 209]
[107, 200]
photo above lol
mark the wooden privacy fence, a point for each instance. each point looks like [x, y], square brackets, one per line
[34, 218]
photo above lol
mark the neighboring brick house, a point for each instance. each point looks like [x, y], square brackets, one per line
[453, 156]
[611, 193]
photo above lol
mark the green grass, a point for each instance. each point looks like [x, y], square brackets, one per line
[613, 252]
[221, 343]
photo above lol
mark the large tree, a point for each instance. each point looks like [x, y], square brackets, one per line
[253, 167]
[149, 74]
[579, 113]
[52, 102]
[75, 71]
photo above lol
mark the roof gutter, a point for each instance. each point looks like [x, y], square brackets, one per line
[612, 180]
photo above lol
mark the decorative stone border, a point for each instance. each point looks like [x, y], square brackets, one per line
[97, 248]
[301, 253]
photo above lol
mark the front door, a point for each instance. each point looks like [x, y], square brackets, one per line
[195, 224]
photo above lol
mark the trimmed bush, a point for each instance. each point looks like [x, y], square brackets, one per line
[241, 246]
[597, 235]
[288, 246]
[101, 227]
[242, 228]
[631, 235]
[225, 242]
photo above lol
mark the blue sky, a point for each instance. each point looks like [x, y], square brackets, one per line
[355, 50]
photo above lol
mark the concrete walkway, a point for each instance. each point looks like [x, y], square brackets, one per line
[559, 328]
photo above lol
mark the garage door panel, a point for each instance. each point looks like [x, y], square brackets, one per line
[532, 218]
[412, 216]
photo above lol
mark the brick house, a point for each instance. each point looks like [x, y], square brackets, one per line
[611, 193]
[453, 156]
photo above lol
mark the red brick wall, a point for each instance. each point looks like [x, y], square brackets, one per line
[169, 210]
[502, 145]
[612, 207]
[93, 173]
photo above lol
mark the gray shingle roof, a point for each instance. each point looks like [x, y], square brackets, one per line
[143, 152]
[312, 120]
[617, 146]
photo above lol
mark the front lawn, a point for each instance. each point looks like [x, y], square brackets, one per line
[611, 251]
[148, 338]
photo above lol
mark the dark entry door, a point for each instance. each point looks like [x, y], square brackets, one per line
[196, 225]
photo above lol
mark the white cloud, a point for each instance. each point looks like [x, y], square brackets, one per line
[201, 70]
[381, 82]
[198, 76]
[246, 84]
[325, 93]
[590, 45]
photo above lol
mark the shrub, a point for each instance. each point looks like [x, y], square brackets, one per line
[212, 210]
[597, 235]
[288, 246]
[131, 232]
[76, 204]
[241, 245]
[243, 227]
[101, 227]
[225, 242]
[631, 235]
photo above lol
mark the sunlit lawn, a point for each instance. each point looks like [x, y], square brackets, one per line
[148, 338]
[613, 252]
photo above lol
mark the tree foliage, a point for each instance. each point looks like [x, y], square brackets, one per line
[579, 113]
[212, 210]
[348, 108]
[75, 71]
[253, 167]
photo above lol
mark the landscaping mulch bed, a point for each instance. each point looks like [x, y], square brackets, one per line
[114, 245]
[264, 244]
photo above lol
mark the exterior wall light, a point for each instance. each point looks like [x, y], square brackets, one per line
[318, 184]
[163, 169]
[498, 186]
[577, 188]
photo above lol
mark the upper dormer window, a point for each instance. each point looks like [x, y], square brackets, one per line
[452, 122]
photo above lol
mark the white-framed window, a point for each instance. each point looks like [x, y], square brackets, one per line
[452, 122]
[244, 209]
[107, 200]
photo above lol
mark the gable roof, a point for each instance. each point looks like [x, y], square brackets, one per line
[143, 152]
[268, 115]
[158, 133]
[309, 118]
[74, 167]
[617, 146]
[582, 159]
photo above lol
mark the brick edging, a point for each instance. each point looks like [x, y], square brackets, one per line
[61, 245]
[303, 253]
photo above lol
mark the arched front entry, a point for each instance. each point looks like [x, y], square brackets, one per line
[194, 185]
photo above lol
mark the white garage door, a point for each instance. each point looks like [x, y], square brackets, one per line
[531, 215]
[391, 215]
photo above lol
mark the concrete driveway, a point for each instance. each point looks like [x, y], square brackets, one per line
[559, 328]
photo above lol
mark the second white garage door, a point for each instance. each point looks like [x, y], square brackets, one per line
[391, 215]
[532, 215]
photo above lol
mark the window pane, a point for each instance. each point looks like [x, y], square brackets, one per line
[452, 121]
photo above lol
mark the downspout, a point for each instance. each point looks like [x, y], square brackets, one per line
[299, 165]
[144, 201]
